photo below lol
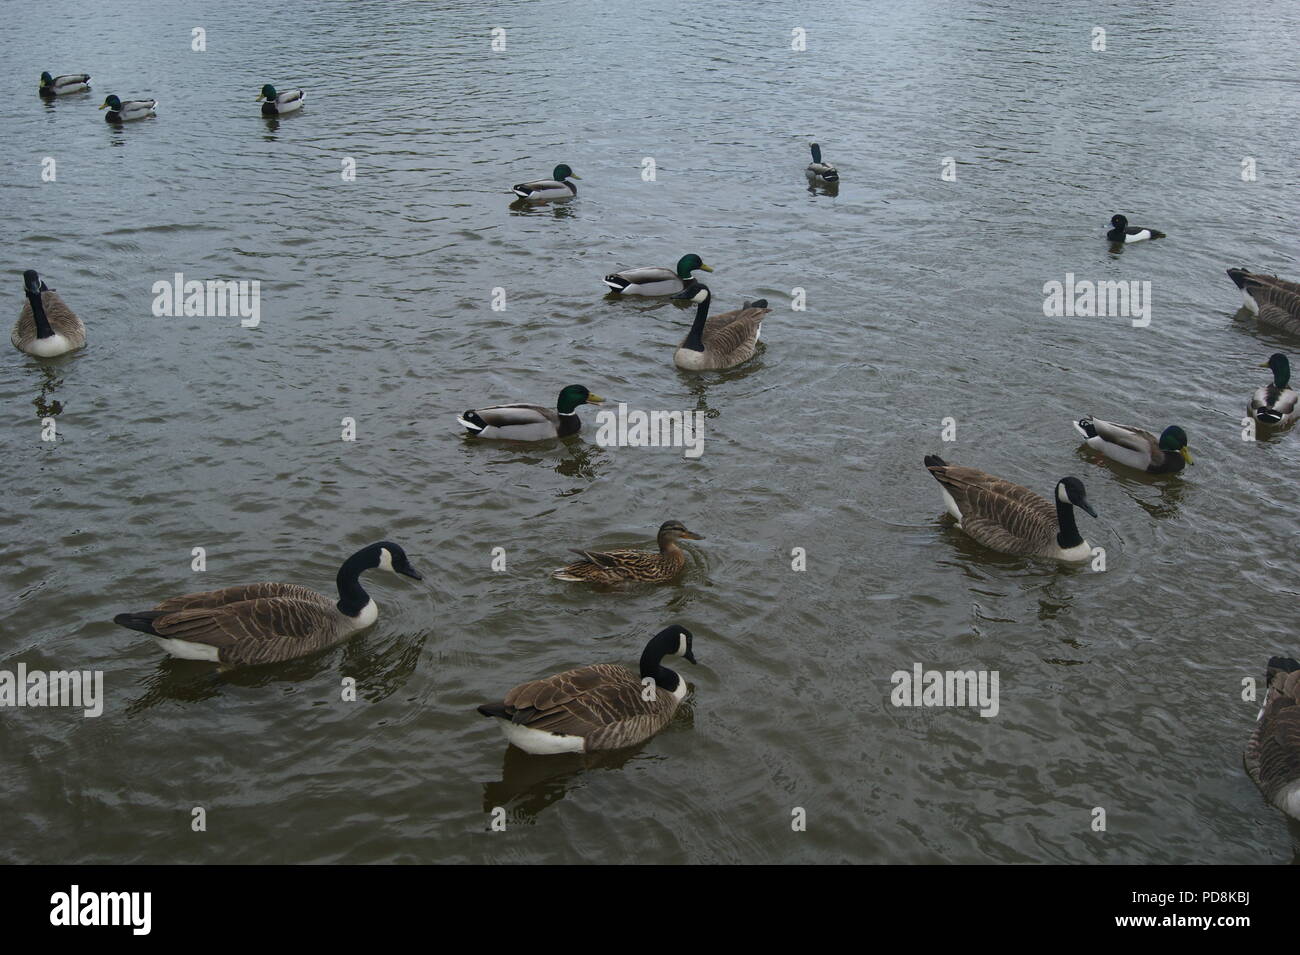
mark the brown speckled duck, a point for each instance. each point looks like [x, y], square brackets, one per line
[633, 566]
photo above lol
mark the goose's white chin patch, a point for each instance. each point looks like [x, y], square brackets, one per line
[539, 742]
[385, 559]
[184, 650]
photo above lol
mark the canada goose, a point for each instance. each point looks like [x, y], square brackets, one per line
[1274, 300]
[1276, 404]
[632, 566]
[124, 111]
[46, 327]
[655, 281]
[277, 104]
[1273, 753]
[1121, 231]
[821, 170]
[1012, 519]
[722, 341]
[268, 623]
[597, 707]
[557, 187]
[60, 85]
[1137, 448]
[530, 422]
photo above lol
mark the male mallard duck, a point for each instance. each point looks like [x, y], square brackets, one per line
[596, 707]
[68, 83]
[722, 341]
[1276, 404]
[1012, 519]
[1121, 231]
[821, 170]
[1273, 753]
[1274, 300]
[268, 623]
[530, 422]
[633, 566]
[277, 104]
[120, 111]
[655, 281]
[1135, 447]
[46, 327]
[557, 187]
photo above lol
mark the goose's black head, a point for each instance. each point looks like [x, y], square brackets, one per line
[573, 395]
[385, 555]
[688, 264]
[674, 641]
[32, 283]
[1281, 368]
[1070, 491]
[696, 292]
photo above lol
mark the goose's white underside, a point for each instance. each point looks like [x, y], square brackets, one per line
[1288, 800]
[540, 742]
[690, 360]
[48, 347]
[184, 650]
[1249, 302]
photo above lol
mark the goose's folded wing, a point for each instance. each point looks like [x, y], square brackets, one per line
[211, 599]
[578, 701]
[504, 416]
[1276, 743]
[731, 331]
[998, 513]
[1272, 314]
[259, 628]
[1135, 439]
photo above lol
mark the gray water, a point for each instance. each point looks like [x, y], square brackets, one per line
[1119, 690]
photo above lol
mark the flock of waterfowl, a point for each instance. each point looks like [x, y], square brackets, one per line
[606, 706]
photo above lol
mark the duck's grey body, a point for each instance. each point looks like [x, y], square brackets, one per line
[1274, 406]
[1130, 446]
[65, 84]
[519, 423]
[645, 281]
[1273, 752]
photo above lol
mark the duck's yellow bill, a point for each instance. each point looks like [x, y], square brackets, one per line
[596, 398]
[259, 99]
[103, 106]
[705, 267]
[1187, 455]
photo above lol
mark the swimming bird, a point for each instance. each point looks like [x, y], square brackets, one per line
[1012, 519]
[821, 170]
[633, 566]
[530, 422]
[720, 341]
[268, 623]
[61, 85]
[1275, 301]
[557, 187]
[655, 281]
[1137, 448]
[1121, 231]
[598, 707]
[1276, 404]
[46, 327]
[1273, 753]
[124, 111]
[277, 104]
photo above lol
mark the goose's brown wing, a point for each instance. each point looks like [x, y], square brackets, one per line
[999, 514]
[1279, 317]
[211, 599]
[62, 319]
[602, 703]
[732, 336]
[1273, 754]
[256, 631]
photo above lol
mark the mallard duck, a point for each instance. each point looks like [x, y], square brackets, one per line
[277, 104]
[1121, 231]
[46, 327]
[821, 170]
[1012, 519]
[720, 341]
[124, 111]
[530, 422]
[633, 566]
[557, 187]
[1135, 447]
[655, 281]
[598, 707]
[61, 85]
[268, 623]
[1276, 404]
[1273, 753]
[1274, 300]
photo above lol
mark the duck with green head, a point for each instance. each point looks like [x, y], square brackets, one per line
[61, 85]
[557, 187]
[125, 111]
[530, 422]
[1136, 448]
[277, 104]
[653, 280]
[1276, 404]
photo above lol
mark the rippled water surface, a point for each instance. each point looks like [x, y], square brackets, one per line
[1119, 690]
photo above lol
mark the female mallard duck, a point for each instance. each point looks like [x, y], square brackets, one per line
[1274, 300]
[821, 170]
[557, 187]
[1135, 447]
[1276, 404]
[633, 566]
[46, 327]
[124, 111]
[60, 85]
[655, 281]
[1012, 519]
[277, 104]
[530, 422]
[1273, 753]
[268, 623]
[598, 707]
[722, 341]
[1121, 231]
